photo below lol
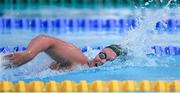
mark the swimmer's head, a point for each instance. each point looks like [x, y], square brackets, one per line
[109, 53]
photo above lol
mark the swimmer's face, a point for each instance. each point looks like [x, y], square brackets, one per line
[104, 55]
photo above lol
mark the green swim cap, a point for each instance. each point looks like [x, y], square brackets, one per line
[118, 50]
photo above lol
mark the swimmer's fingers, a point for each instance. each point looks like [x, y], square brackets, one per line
[10, 63]
[58, 66]
[9, 56]
[10, 66]
[52, 65]
[55, 66]
[7, 66]
[16, 63]
[13, 61]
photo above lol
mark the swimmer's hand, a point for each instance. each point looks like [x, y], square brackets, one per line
[59, 66]
[17, 59]
[8, 66]
[55, 66]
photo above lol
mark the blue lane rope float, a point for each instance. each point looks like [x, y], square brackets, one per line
[159, 50]
[63, 22]
[167, 50]
[12, 49]
[110, 24]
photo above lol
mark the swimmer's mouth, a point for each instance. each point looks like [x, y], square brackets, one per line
[99, 64]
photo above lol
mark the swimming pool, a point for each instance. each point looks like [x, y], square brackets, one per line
[154, 54]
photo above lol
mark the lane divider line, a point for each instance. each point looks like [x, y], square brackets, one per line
[95, 86]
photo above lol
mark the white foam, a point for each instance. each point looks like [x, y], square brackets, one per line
[3, 62]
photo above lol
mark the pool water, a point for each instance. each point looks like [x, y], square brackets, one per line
[142, 64]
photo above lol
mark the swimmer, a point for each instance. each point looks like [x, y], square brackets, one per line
[65, 55]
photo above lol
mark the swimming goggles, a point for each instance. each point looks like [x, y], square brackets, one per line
[102, 55]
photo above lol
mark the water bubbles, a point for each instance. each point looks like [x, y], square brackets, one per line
[161, 1]
[147, 3]
[150, 1]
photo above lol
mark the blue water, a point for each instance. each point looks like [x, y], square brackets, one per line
[142, 63]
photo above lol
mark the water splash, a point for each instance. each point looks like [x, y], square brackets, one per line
[140, 40]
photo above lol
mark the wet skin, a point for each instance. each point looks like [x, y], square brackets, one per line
[65, 55]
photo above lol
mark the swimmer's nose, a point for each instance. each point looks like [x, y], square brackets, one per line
[97, 59]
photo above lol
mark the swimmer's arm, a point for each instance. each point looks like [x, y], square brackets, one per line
[38, 44]
[41, 43]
